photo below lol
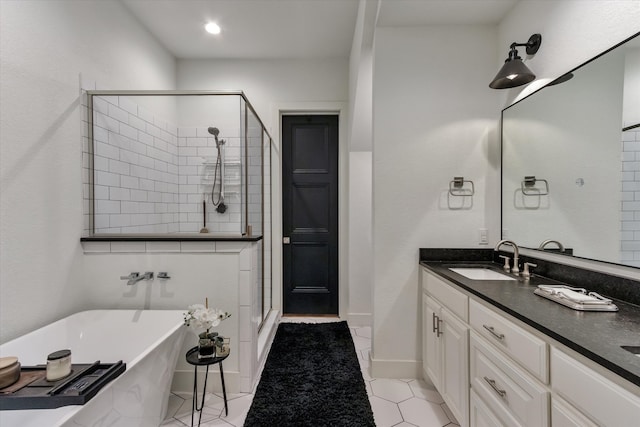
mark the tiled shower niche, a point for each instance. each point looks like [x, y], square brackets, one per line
[150, 163]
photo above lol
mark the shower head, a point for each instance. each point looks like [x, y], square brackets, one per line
[215, 132]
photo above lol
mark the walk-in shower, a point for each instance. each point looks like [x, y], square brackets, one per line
[157, 155]
[178, 165]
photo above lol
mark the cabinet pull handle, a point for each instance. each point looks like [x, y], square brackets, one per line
[493, 385]
[493, 332]
[439, 323]
[434, 322]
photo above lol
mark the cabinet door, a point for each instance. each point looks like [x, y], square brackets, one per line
[431, 355]
[455, 365]
[565, 415]
[480, 414]
[603, 401]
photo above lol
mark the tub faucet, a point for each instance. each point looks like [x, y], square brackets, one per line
[135, 277]
[546, 242]
[516, 254]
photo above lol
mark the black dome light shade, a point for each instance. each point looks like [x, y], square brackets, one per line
[514, 73]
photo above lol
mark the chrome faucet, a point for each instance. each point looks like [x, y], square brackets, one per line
[135, 277]
[516, 254]
[546, 242]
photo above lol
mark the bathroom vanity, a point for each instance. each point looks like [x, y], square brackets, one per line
[501, 355]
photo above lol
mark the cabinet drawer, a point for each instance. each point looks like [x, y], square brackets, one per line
[600, 399]
[453, 299]
[525, 348]
[513, 394]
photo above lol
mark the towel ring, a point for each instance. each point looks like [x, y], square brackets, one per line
[528, 186]
[457, 188]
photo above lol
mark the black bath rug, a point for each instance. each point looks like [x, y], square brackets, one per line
[311, 378]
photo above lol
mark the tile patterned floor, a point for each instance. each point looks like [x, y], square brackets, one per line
[399, 403]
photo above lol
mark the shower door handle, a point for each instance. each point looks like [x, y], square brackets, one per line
[286, 240]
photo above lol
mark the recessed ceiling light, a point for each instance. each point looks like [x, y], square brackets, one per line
[212, 28]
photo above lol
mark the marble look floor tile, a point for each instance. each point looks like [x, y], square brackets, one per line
[392, 390]
[361, 343]
[423, 413]
[395, 402]
[421, 389]
[216, 423]
[208, 414]
[238, 409]
[385, 413]
[175, 402]
[172, 422]
[364, 331]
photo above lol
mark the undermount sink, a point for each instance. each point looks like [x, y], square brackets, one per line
[480, 273]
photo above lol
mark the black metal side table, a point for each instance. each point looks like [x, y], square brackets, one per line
[192, 358]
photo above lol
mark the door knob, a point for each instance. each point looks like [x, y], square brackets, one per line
[286, 240]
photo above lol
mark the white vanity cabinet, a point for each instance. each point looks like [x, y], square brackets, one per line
[579, 389]
[446, 343]
[494, 370]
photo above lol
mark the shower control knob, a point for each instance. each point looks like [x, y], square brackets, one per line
[163, 275]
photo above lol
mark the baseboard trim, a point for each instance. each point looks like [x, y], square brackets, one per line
[359, 319]
[395, 368]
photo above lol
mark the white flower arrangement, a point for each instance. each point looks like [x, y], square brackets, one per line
[202, 317]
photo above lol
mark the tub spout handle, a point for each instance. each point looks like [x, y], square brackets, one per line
[135, 277]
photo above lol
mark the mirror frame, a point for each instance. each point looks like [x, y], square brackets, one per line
[536, 251]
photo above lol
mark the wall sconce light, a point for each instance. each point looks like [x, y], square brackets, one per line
[514, 73]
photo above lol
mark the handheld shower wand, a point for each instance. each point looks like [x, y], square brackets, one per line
[215, 132]
[219, 204]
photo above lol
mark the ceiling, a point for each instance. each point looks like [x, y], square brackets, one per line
[276, 29]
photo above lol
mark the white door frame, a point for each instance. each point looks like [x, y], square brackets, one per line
[300, 108]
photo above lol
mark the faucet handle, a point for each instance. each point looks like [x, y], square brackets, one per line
[506, 266]
[525, 272]
[133, 275]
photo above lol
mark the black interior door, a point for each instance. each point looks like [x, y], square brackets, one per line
[310, 214]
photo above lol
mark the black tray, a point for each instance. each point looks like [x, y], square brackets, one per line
[77, 389]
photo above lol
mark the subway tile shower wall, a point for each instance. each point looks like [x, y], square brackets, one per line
[630, 215]
[151, 176]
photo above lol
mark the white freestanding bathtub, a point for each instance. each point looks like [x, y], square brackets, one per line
[148, 341]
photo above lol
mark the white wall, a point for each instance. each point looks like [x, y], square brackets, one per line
[434, 117]
[360, 161]
[44, 47]
[360, 239]
[267, 83]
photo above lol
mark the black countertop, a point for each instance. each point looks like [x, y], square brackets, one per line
[596, 335]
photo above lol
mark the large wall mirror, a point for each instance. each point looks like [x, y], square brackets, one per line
[571, 161]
